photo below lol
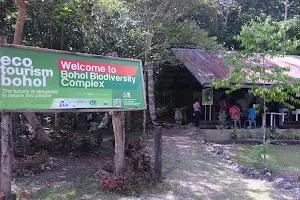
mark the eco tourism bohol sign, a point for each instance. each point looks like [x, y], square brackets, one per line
[40, 79]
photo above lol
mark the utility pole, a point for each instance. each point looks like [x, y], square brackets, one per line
[286, 5]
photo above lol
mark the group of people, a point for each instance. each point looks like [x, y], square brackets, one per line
[246, 110]
[231, 108]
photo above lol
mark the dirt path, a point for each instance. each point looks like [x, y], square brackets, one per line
[192, 173]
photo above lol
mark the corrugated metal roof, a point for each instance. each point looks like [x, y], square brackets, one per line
[206, 67]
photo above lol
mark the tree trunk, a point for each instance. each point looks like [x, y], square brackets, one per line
[7, 153]
[119, 134]
[40, 134]
[21, 5]
[151, 97]
[31, 117]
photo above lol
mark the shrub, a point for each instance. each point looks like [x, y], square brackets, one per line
[109, 166]
[223, 121]
[297, 136]
[249, 132]
[127, 183]
[257, 154]
[257, 159]
[23, 194]
[138, 173]
[234, 133]
[32, 163]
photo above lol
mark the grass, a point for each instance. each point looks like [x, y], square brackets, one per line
[280, 159]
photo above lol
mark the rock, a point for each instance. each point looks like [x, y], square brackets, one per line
[48, 168]
[248, 172]
[296, 190]
[255, 174]
[279, 182]
[242, 169]
[43, 167]
[226, 157]
[219, 151]
[287, 186]
[202, 141]
[236, 168]
[213, 150]
[229, 162]
[268, 177]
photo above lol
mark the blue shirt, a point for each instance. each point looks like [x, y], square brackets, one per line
[251, 113]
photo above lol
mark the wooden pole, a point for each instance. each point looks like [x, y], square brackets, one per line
[158, 152]
[6, 153]
[119, 143]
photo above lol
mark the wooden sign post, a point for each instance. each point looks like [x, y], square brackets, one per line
[6, 146]
[97, 74]
[119, 135]
[6, 153]
[158, 151]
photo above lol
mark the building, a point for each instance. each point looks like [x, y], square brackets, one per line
[196, 72]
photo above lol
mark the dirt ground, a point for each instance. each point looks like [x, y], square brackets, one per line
[189, 171]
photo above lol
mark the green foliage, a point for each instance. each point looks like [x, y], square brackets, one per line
[297, 136]
[234, 133]
[223, 121]
[257, 154]
[262, 40]
[249, 132]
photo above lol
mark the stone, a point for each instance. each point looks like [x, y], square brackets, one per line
[236, 168]
[255, 174]
[296, 190]
[202, 141]
[287, 186]
[248, 172]
[219, 151]
[279, 182]
[48, 168]
[43, 167]
[213, 150]
[268, 177]
[229, 162]
[226, 157]
[242, 169]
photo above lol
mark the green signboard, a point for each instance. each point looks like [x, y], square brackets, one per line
[42, 79]
[207, 96]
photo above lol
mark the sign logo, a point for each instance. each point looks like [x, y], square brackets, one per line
[126, 94]
[64, 103]
[93, 102]
[79, 102]
[105, 103]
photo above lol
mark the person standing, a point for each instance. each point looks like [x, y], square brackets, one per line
[244, 105]
[223, 104]
[196, 107]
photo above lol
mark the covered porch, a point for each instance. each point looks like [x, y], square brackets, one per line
[179, 85]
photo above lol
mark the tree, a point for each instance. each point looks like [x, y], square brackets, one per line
[261, 40]
[40, 134]
[155, 19]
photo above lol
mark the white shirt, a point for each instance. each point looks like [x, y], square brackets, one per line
[243, 103]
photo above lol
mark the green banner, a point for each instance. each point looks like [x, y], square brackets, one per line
[42, 80]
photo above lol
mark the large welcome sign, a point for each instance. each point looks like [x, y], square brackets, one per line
[42, 79]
